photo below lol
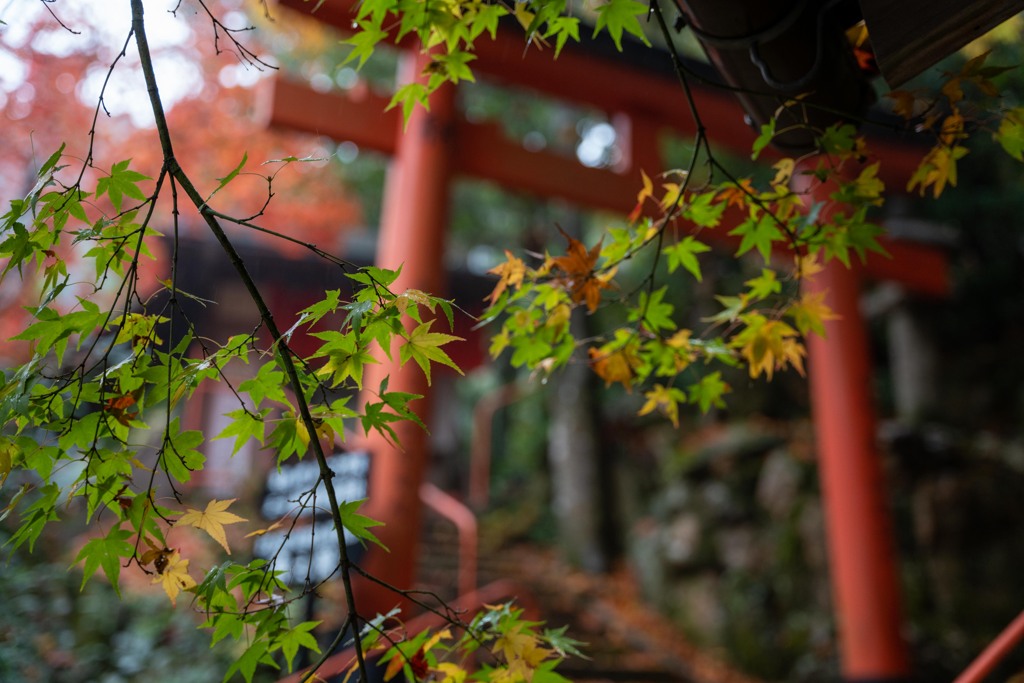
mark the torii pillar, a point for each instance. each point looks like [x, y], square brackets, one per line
[412, 236]
[859, 537]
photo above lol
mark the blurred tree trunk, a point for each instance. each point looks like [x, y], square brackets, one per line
[578, 486]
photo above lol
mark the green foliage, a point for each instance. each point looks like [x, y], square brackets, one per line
[92, 420]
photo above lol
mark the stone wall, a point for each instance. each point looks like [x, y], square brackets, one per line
[732, 546]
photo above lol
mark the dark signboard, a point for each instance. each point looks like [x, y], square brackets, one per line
[310, 547]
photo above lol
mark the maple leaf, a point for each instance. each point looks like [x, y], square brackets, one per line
[810, 313]
[665, 400]
[684, 253]
[518, 646]
[952, 129]
[1011, 133]
[708, 391]
[618, 16]
[614, 366]
[581, 281]
[212, 520]
[758, 234]
[107, 553]
[672, 196]
[646, 192]
[346, 358]
[783, 173]
[937, 169]
[359, 525]
[424, 346]
[868, 186]
[174, 576]
[510, 274]
[737, 194]
[806, 265]
[769, 345]
[453, 673]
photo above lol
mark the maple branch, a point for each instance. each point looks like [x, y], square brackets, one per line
[284, 355]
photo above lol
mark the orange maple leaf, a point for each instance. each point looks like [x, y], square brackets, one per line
[738, 194]
[614, 366]
[583, 283]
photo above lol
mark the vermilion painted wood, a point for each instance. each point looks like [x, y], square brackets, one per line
[412, 235]
[861, 548]
[994, 653]
[482, 151]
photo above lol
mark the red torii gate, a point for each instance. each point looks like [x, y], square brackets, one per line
[439, 144]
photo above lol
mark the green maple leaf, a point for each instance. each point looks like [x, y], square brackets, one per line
[410, 95]
[764, 286]
[424, 347]
[107, 553]
[253, 656]
[486, 19]
[345, 358]
[563, 28]
[364, 42]
[267, 384]
[708, 391]
[121, 182]
[179, 456]
[295, 637]
[759, 234]
[734, 305]
[657, 314]
[617, 16]
[1011, 133]
[359, 525]
[684, 253]
[704, 211]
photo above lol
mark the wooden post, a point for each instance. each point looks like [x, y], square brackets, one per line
[860, 543]
[412, 235]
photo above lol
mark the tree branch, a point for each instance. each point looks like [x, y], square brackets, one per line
[284, 354]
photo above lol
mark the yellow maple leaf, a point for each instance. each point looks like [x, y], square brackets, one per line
[671, 196]
[510, 274]
[807, 265]
[175, 577]
[665, 400]
[212, 520]
[783, 173]
[770, 345]
[517, 646]
[952, 129]
[869, 186]
[937, 169]
[646, 192]
[266, 530]
[453, 673]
